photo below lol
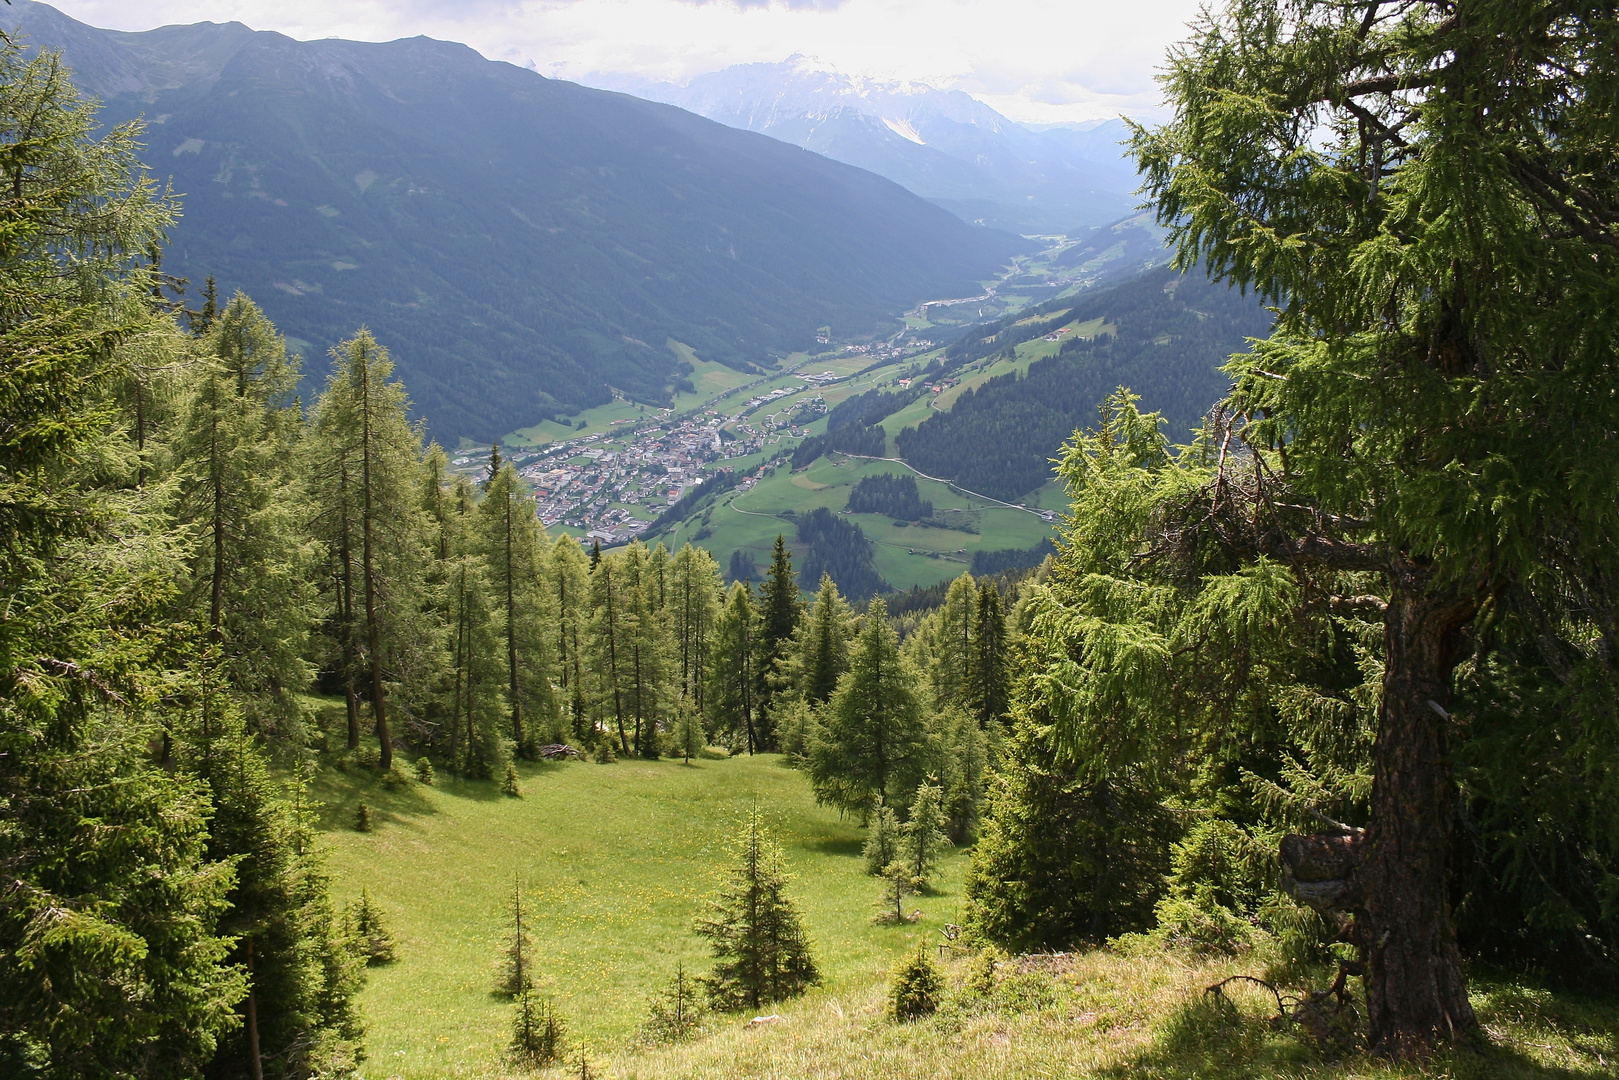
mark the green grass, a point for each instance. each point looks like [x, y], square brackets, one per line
[1113, 1016]
[904, 556]
[616, 861]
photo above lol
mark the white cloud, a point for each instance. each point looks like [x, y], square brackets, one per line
[1033, 59]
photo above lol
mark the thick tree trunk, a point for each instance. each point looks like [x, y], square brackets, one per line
[1392, 876]
[1415, 990]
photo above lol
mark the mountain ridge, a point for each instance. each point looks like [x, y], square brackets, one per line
[944, 145]
[525, 246]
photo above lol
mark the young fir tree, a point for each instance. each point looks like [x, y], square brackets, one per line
[512, 543]
[922, 838]
[882, 841]
[761, 953]
[987, 691]
[733, 677]
[86, 573]
[365, 457]
[871, 746]
[568, 580]
[1427, 196]
[779, 613]
[231, 458]
[687, 737]
[693, 605]
[676, 1014]
[898, 884]
[370, 940]
[515, 974]
[539, 1035]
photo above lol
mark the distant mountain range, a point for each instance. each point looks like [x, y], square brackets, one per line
[523, 245]
[944, 145]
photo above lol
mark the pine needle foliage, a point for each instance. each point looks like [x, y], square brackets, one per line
[922, 837]
[917, 989]
[514, 974]
[675, 1014]
[368, 935]
[761, 952]
[539, 1035]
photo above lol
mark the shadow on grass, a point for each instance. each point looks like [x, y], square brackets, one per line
[340, 792]
[1211, 1038]
[850, 846]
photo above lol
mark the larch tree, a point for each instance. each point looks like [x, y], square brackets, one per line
[823, 644]
[871, 746]
[693, 605]
[366, 457]
[1429, 194]
[512, 544]
[612, 634]
[947, 643]
[779, 613]
[232, 464]
[568, 582]
[733, 675]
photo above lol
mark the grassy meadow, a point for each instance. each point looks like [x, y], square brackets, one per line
[616, 860]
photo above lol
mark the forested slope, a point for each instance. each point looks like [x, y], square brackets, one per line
[1173, 333]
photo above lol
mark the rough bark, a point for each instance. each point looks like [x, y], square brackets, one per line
[1392, 877]
[1415, 989]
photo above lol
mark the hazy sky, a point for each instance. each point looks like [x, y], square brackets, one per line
[1035, 60]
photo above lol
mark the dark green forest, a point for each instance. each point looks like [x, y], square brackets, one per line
[999, 438]
[892, 496]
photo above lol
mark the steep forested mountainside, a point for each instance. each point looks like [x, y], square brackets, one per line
[523, 244]
[1170, 336]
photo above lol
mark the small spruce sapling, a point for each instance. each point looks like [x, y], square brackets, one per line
[898, 883]
[424, 771]
[513, 977]
[882, 843]
[604, 753]
[509, 785]
[917, 990]
[922, 837]
[362, 818]
[761, 953]
[539, 1035]
[369, 939]
[688, 737]
[675, 1014]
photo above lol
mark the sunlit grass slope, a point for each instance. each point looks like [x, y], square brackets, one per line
[615, 861]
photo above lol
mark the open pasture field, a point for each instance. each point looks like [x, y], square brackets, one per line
[615, 861]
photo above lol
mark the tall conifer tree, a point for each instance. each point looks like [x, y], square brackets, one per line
[366, 456]
[138, 979]
[733, 677]
[232, 461]
[1427, 194]
[870, 748]
[511, 542]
